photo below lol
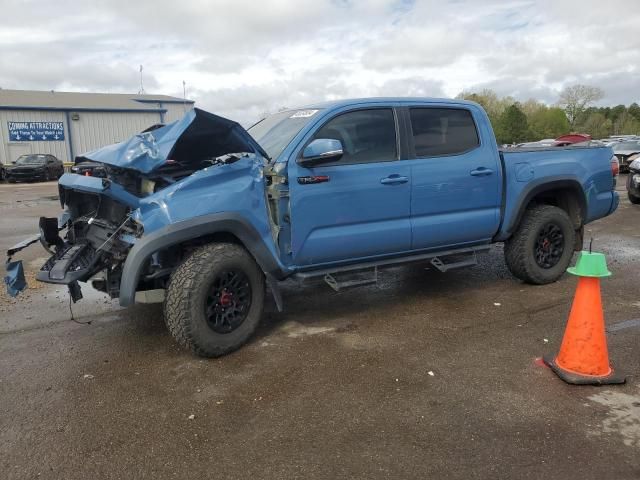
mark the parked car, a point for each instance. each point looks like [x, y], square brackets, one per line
[625, 149]
[89, 169]
[576, 139]
[633, 182]
[32, 167]
[573, 138]
[545, 143]
[203, 214]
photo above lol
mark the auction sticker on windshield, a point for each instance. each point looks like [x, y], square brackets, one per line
[303, 114]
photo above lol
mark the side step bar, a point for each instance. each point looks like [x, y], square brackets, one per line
[437, 259]
[470, 261]
[355, 280]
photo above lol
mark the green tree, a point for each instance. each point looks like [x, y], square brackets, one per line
[617, 114]
[597, 125]
[625, 124]
[512, 126]
[547, 123]
[634, 111]
[575, 99]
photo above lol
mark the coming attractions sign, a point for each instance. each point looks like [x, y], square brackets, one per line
[36, 131]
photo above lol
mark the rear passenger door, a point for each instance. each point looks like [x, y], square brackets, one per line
[358, 205]
[456, 178]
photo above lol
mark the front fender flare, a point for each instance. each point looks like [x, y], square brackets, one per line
[179, 232]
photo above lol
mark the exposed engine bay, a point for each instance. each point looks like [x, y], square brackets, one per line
[104, 215]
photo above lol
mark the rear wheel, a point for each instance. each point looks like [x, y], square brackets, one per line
[215, 299]
[540, 250]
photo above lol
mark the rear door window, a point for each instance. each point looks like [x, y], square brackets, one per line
[366, 136]
[442, 131]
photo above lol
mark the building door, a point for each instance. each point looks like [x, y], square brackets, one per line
[14, 150]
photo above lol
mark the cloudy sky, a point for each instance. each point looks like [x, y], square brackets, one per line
[241, 58]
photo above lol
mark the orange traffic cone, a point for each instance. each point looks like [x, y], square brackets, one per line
[583, 357]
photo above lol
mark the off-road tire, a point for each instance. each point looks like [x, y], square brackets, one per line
[186, 294]
[633, 199]
[519, 249]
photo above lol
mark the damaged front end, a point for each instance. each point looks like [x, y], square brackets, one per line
[103, 218]
[99, 233]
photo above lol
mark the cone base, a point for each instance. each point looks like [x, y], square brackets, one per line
[577, 379]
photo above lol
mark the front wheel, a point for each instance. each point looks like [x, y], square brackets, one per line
[633, 199]
[540, 250]
[215, 299]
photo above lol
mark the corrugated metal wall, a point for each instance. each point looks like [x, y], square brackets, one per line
[175, 111]
[91, 130]
[96, 129]
[59, 149]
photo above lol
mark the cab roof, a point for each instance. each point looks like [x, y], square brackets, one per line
[332, 104]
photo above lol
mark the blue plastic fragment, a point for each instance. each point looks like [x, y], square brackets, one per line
[14, 279]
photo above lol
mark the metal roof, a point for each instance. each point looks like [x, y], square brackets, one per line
[52, 100]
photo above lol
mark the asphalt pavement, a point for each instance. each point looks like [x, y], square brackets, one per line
[425, 375]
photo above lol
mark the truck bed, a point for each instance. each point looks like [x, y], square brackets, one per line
[528, 171]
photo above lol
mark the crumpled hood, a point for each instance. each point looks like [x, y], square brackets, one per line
[196, 132]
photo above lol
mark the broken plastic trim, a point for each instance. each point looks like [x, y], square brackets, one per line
[22, 245]
[14, 279]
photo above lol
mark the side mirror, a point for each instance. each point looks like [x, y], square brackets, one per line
[321, 150]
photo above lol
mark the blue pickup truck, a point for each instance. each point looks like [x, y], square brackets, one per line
[205, 215]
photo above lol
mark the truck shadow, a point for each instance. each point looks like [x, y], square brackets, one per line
[314, 303]
[397, 289]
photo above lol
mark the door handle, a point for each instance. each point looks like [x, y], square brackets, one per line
[481, 172]
[394, 179]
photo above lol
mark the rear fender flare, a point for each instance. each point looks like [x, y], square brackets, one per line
[179, 232]
[536, 189]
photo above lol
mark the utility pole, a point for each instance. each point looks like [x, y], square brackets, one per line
[184, 95]
[141, 91]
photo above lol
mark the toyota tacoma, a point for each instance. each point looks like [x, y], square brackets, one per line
[206, 216]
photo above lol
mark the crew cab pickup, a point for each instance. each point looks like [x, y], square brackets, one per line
[205, 215]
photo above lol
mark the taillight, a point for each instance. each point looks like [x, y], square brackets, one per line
[615, 166]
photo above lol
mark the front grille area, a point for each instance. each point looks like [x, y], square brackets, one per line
[73, 262]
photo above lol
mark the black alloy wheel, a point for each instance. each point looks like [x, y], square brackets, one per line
[549, 245]
[228, 302]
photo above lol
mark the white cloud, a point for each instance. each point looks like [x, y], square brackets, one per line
[241, 58]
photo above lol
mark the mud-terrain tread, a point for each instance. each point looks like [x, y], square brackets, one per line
[181, 288]
[519, 259]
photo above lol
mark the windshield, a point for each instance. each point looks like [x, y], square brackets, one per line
[276, 131]
[31, 160]
[627, 145]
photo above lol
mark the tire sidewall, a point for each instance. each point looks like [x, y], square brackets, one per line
[202, 335]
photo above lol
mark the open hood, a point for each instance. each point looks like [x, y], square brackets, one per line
[197, 137]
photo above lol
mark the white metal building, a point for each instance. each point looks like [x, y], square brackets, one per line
[66, 124]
